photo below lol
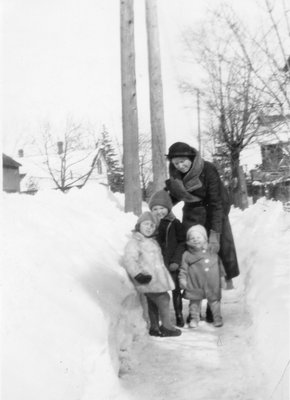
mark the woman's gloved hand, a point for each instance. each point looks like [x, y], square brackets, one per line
[223, 283]
[178, 191]
[173, 267]
[229, 284]
[143, 279]
[175, 188]
[214, 242]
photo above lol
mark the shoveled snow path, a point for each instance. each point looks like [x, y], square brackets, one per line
[206, 363]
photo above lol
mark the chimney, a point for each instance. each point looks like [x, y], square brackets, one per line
[59, 147]
[20, 153]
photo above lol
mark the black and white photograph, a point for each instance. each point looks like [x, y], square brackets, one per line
[145, 224]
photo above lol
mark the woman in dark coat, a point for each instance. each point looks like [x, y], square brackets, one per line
[206, 201]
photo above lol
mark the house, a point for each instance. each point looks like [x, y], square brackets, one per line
[270, 176]
[11, 174]
[62, 170]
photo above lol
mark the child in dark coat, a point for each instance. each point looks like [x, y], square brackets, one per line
[201, 275]
[171, 238]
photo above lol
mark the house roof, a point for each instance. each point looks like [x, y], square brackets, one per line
[274, 129]
[78, 164]
[9, 162]
[266, 120]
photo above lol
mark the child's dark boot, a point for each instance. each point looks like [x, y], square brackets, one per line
[179, 320]
[169, 332]
[155, 332]
[208, 314]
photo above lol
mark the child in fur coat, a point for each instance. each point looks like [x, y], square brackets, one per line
[144, 264]
[201, 276]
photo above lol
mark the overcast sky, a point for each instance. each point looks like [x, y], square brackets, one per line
[61, 58]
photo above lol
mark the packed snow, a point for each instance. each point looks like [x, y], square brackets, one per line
[74, 327]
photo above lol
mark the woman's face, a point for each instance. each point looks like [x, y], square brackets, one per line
[182, 164]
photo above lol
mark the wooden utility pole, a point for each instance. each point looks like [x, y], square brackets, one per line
[133, 200]
[198, 119]
[156, 97]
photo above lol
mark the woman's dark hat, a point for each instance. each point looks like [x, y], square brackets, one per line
[180, 149]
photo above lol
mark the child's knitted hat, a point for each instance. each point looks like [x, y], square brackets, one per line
[161, 198]
[145, 216]
[197, 228]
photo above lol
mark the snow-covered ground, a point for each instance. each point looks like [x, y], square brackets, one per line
[73, 326]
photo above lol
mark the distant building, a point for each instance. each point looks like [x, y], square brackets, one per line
[81, 167]
[274, 130]
[11, 174]
[271, 154]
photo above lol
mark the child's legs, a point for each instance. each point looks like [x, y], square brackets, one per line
[144, 303]
[194, 309]
[176, 294]
[153, 313]
[162, 302]
[177, 302]
[215, 307]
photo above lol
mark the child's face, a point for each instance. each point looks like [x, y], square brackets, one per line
[196, 240]
[147, 228]
[159, 212]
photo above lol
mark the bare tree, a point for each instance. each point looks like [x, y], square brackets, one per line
[230, 94]
[248, 76]
[145, 162]
[266, 50]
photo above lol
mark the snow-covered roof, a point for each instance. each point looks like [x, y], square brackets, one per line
[78, 164]
[274, 129]
[9, 162]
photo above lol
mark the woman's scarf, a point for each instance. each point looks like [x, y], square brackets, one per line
[182, 185]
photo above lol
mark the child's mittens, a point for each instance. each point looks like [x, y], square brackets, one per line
[173, 267]
[143, 279]
[182, 284]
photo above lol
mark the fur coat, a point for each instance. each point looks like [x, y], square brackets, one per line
[143, 255]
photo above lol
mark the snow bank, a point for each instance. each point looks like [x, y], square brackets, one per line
[71, 315]
[262, 235]
[70, 312]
